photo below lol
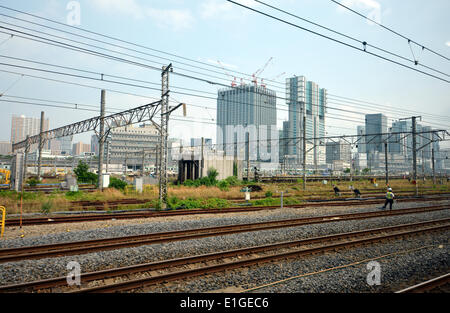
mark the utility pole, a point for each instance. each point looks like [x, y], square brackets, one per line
[156, 160]
[432, 164]
[101, 141]
[143, 161]
[304, 151]
[163, 178]
[41, 146]
[25, 159]
[202, 165]
[107, 157]
[248, 157]
[414, 147]
[423, 166]
[386, 162]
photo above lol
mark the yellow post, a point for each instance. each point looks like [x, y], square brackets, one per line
[3, 211]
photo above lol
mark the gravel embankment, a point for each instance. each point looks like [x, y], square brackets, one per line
[29, 270]
[55, 233]
[403, 263]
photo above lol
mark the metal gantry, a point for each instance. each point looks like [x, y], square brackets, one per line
[137, 115]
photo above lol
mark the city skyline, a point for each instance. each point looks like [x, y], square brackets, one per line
[377, 85]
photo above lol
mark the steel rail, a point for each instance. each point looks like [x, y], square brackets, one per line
[97, 217]
[427, 285]
[209, 269]
[166, 264]
[83, 247]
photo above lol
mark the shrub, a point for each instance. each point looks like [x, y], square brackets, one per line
[117, 184]
[188, 183]
[233, 181]
[223, 185]
[46, 207]
[212, 175]
[83, 174]
[269, 194]
[72, 195]
[33, 182]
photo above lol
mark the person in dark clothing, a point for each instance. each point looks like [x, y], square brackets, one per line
[389, 199]
[357, 193]
[337, 192]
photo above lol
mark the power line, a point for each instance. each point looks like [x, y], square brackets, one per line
[148, 60]
[338, 41]
[364, 43]
[102, 75]
[336, 116]
[390, 29]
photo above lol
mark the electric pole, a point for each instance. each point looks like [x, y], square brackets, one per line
[101, 141]
[143, 162]
[24, 163]
[386, 162]
[248, 157]
[432, 164]
[107, 157]
[414, 147]
[202, 165]
[41, 146]
[163, 178]
[304, 151]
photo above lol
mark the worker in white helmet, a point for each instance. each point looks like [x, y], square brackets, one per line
[389, 199]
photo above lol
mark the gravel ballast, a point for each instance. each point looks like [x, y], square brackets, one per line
[28, 270]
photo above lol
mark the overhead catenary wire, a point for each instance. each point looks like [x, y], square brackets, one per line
[390, 30]
[102, 79]
[362, 42]
[209, 81]
[339, 41]
[335, 117]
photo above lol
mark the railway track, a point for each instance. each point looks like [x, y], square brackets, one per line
[88, 246]
[231, 259]
[428, 285]
[149, 214]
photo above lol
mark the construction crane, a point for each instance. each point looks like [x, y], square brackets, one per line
[259, 72]
[233, 83]
[276, 77]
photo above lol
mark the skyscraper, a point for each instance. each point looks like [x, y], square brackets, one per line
[62, 145]
[361, 139]
[306, 98]
[22, 126]
[376, 124]
[247, 109]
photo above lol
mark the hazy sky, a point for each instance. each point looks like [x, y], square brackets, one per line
[211, 30]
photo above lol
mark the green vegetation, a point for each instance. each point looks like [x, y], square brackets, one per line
[211, 180]
[33, 182]
[190, 203]
[46, 207]
[83, 174]
[269, 194]
[117, 183]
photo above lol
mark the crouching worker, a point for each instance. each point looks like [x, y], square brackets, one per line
[357, 193]
[337, 192]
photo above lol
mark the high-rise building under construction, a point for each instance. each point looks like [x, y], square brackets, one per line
[248, 113]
